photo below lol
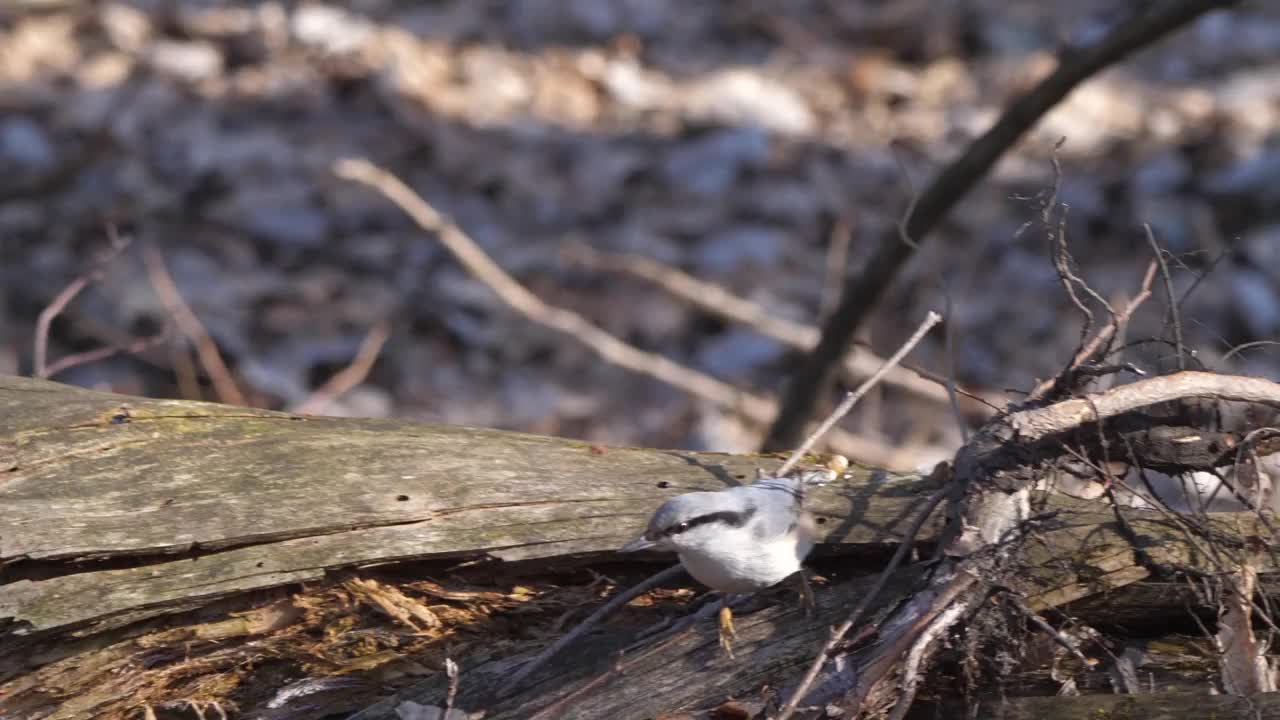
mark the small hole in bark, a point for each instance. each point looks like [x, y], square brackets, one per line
[740, 476]
[402, 498]
[664, 484]
[822, 521]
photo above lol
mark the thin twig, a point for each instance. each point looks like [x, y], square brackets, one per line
[40, 349]
[948, 309]
[1051, 202]
[1062, 234]
[1053, 633]
[949, 350]
[452, 672]
[1175, 316]
[949, 187]
[206, 349]
[1246, 346]
[574, 326]
[838, 633]
[1057, 235]
[852, 398]
[586, 625]
[1062, 263]
[67, 362]
[1094, 348]
[1200, 277]
[352, 375]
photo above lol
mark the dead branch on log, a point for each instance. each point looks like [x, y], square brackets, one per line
[1038, 423]
[1144, 27]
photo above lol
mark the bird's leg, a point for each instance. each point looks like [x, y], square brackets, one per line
[806, 594]
[727, 633]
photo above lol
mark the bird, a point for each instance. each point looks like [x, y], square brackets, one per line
[740, 539]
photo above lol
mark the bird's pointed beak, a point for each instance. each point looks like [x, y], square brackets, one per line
[640, 543]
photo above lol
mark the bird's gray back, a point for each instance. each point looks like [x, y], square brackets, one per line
[777, 502]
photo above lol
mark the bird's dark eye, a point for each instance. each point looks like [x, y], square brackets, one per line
[682, 527]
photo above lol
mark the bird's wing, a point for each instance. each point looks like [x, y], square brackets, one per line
[778, 503]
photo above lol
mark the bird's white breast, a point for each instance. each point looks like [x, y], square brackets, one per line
[740, 562]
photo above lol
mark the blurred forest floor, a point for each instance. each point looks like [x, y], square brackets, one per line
[734, 140]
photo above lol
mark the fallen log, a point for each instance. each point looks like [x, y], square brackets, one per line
[139, 508]
[122, 511]
[163, 555]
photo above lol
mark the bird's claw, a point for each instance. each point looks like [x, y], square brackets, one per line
[807, 602]
[727, 632]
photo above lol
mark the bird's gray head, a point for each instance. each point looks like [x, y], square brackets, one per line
[692, 520]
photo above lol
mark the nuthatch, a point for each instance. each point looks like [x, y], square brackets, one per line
[740, 539]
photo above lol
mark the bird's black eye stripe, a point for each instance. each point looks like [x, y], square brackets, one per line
[732, 518]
